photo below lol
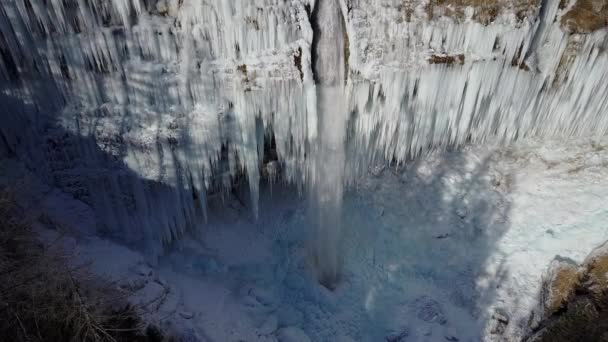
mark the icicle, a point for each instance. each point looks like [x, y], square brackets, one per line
[164, 93]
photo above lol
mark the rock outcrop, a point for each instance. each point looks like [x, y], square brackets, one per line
[574, 301]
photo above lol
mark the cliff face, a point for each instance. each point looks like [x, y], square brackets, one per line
[142, 108]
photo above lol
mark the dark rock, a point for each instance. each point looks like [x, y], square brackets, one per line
[501, 316]
[500, 320]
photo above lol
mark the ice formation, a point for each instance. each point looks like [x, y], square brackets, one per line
[326, 165]
[146, 108]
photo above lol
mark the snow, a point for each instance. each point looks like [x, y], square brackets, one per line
[401, 274]
[439, 248]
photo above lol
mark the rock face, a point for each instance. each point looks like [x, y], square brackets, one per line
[559, 285]
[574, 301]
[144, 109]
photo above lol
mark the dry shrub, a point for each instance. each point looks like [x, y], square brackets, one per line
[485, 11]
[44, 299]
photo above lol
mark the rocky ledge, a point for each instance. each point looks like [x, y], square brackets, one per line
[574, 301]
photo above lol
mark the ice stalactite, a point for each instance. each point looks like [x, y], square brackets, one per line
[327, 161]
[146, 108]
[160, 105]
[426, 84]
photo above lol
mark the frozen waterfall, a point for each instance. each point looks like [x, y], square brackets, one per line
[328, 151]
[145, 109]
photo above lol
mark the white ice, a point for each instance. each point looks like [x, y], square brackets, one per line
[435, 248]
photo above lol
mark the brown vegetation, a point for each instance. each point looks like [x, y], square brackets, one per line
[44, 299]
[485, 11]
[586, 16]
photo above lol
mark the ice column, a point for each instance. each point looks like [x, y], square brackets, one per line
[328, 153]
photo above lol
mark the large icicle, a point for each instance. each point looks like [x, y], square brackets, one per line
[327, 150]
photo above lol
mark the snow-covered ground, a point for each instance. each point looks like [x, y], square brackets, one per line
[443, 248]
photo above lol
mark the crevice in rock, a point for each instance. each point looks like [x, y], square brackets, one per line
[297, 61]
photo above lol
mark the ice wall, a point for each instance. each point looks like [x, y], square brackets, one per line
[418, 84]
[146, 108]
